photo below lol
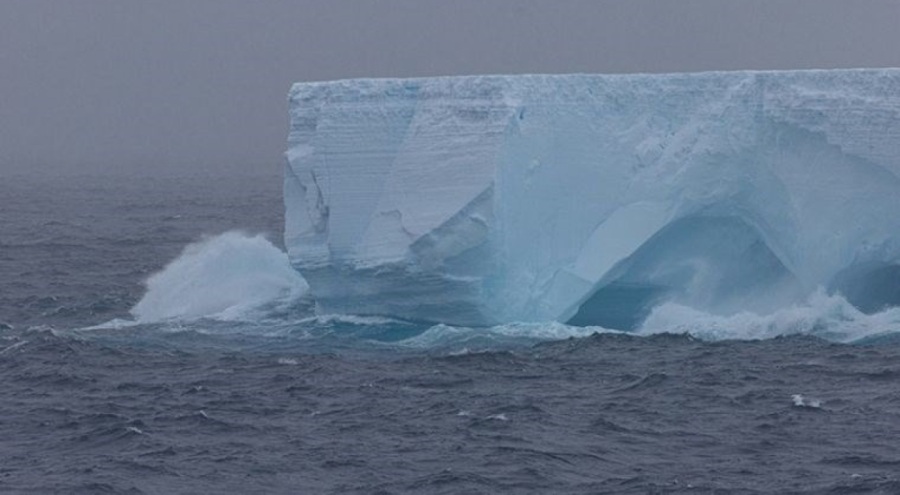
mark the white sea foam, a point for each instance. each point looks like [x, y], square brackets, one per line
[801, 401]
[443, 335]
[350, 320]
[13, 346]
[240, 277]
[226, 277]
[822, 315]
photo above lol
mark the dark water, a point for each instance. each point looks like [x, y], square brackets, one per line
[75, 250]
[280, 401]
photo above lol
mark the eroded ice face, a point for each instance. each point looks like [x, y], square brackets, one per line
[589, 198]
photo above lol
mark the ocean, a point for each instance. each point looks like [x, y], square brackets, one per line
[153, 341]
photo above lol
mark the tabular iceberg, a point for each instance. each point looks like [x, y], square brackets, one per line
[588, 199]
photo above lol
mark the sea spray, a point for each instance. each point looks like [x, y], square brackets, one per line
[827, 316]
[225, 276]
[240, 277]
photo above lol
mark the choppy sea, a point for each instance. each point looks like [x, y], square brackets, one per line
[153, 340]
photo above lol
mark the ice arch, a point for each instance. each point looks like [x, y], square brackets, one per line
[588, 198]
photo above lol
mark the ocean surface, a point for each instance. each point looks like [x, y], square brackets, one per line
[153, 340]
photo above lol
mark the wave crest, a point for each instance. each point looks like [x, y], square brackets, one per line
[828, 316]
[227, 276]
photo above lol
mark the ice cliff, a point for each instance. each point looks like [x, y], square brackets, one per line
[591, 198]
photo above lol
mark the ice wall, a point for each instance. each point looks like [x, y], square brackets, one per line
[591, 198]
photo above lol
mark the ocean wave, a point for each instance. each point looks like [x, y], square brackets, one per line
[236, 283]
[231, 276]
[828, 316]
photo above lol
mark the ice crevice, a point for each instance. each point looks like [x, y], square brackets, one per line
[592, 199]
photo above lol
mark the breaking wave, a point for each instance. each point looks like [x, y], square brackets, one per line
[230, 276]
[240, 283]
[827, 316]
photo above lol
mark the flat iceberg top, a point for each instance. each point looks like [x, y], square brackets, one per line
[591, 198]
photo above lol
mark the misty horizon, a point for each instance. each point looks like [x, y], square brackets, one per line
[170, 89]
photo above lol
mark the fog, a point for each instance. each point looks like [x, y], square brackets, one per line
[199, 87]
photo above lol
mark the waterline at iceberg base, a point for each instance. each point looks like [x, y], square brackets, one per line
[590, 199]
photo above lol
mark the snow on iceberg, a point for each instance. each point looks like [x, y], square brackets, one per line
[590, 199]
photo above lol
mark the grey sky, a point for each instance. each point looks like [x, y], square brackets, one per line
[200, 85]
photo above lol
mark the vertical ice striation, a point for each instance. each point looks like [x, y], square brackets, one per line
[590, 198]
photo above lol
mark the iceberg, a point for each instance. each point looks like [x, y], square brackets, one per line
[591, 199]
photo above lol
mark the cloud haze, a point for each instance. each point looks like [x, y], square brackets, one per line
[127, 86]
